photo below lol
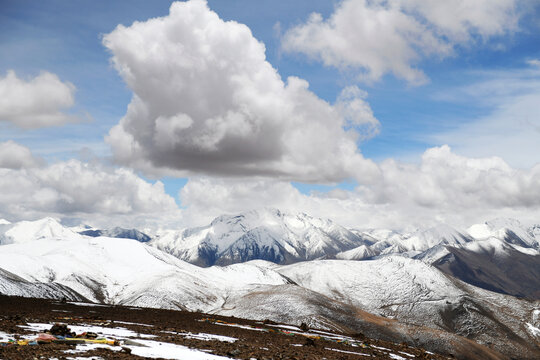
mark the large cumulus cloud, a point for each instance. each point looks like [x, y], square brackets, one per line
[379, 37]
[207, 101]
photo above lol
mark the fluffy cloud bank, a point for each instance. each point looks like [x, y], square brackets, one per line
[379, 37]
[38, 102]
[74, 189]
[207, 101]
[444, 187]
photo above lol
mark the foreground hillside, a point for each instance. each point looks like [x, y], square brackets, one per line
[137, 333]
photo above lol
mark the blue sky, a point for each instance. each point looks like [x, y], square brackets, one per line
[459, 101]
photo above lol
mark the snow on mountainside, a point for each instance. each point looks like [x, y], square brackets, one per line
[4, 222]
[14, 285]
[265, 234]
[409, 245]
[509, 230]
[122, 271]
[423, 240]
[25, 231]
[416, 293]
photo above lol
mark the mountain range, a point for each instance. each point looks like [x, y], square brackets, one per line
[434, 287]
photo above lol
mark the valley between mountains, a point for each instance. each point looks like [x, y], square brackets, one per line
[470, 293]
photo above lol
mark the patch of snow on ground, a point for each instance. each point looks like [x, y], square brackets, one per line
[348, 352]
[5, 337]
[103, 331]
[131, 323]
[396, 357]
[82, 348]
[157, 349]
[533, 329]
[87, 304]
[203, 336]
[406, 354]
[286, 327]
[240, 326]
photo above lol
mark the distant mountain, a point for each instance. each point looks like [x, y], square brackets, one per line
[26, 231]
[496, 265]
[266, 234]
[118, 232]
[509, 230]
[389, 242]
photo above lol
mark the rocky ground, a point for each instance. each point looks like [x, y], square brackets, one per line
[136, 333]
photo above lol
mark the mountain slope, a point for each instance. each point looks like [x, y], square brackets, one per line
[14, 285]
[266, 234]
[416, 293]
[494, 265]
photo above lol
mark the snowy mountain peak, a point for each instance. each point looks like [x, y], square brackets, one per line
[267, 234]
[422, 240]
[25, 231]
[509, 230]
[4, 222]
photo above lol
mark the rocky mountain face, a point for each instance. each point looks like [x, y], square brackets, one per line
[500, 255]
[266, 235]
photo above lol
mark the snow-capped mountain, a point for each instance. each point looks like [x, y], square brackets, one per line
[509, 230]
[117, 232]
[26, 231]
[266, 234]
[391, 242]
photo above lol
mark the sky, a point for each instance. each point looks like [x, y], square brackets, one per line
[397, 114]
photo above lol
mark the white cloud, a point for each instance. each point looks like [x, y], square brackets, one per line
[38, 102]
[15, 156]
[90, 191]
[379, 37]
[207, 102]
[445, 187]
[533, 62]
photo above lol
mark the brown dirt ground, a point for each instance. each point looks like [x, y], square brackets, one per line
[251, 344]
